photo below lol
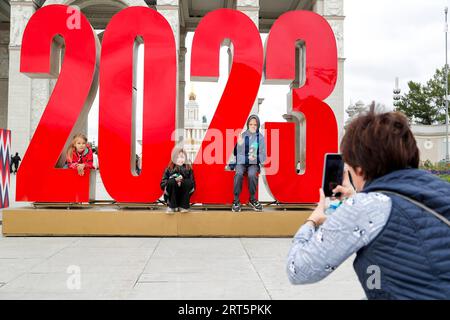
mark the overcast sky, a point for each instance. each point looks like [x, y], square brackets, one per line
[389, 38]
[383, 39]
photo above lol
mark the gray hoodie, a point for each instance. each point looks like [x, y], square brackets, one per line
[254, 144]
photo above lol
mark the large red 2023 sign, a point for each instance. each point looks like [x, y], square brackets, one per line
[77, 81]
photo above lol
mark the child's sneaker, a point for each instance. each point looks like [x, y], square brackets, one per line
[255, 205]
[171, 210]
[236, 207]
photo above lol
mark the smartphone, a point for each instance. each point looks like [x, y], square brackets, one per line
[333, 173]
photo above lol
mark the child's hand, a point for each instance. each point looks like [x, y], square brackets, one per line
[80, 170]
[240, 139]
[251, 158]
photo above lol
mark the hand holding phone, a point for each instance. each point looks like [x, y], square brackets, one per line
[345, 190]
[333, 174]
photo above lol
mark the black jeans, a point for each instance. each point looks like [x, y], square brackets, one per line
[252, 173]
[179, 196]
[16, 165]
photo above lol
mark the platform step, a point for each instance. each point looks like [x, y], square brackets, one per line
[110, 221]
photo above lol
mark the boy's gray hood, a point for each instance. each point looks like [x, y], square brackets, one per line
[254, 116]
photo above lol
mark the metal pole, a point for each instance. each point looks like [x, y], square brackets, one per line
[447, 158]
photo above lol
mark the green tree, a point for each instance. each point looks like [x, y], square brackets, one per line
[425, 104]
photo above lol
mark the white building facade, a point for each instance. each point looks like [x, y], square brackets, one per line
[431, 142]
[195, 127]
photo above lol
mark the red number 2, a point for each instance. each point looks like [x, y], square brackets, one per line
[38, 180]
[214, 184]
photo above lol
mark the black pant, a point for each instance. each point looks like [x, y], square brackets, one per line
[178, 196]
[252, 173]
[16, 164]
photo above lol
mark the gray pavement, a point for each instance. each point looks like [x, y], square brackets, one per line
[158, 268]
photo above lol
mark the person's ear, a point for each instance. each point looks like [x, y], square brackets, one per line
[359, 172]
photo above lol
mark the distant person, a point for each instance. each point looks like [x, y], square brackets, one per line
[11, 164]
[299, 167]
[15, 161]
[79, 155]
[138, 165]
[396, 219]
[178, 182]
[250, 153]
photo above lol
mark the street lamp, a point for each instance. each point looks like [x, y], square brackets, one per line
[397, 97]
[447, 158]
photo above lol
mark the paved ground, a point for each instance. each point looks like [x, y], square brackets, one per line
[158, 268]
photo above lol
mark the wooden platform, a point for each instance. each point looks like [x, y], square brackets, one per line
[113, 221]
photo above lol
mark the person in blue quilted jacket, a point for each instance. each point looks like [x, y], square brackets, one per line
[394, 217]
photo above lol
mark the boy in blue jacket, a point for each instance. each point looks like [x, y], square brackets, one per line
[250, 153]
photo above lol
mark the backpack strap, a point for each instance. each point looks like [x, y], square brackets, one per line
[417, 203]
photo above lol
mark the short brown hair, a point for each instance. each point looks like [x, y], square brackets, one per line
[380, 144]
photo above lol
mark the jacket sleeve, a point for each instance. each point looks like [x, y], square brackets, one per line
[262, 149]
[70, 163]
[165, 179]
[315, 254]
[193, 180]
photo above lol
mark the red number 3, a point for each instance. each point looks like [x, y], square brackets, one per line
[321, 126]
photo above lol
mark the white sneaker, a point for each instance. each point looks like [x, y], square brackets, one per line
[170, 210]
[182, 210]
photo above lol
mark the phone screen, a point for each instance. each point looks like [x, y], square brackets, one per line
[333, 173]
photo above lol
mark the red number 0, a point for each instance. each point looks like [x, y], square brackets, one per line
[116, 96]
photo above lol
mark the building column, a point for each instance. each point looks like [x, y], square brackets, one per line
[181, 81]
[4, 71]
[171, 11]
[20, 85]
[333, 12]
[251, 9]
[27, 98]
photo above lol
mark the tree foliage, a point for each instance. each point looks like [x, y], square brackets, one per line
[425, 103]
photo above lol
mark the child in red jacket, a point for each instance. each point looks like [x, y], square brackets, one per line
[79, 155]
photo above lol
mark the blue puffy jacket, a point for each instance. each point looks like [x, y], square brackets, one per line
[412, 252]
